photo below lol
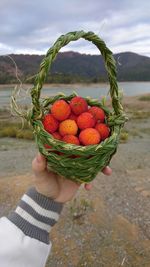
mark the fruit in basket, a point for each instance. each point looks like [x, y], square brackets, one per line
[68, 127]
[72, 139]
[98, 113]
[50, 123]
[56, 135]
[72, 116]
[89, 136]
[85, 120]
[78, 105]
[47, 146]
[60, 110]
[103, 130]
[83, 126]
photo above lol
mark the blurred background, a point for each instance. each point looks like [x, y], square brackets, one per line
[109, 226]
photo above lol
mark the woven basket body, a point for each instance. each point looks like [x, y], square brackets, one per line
[90, 159]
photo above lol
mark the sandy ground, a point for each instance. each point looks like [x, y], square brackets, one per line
[107, 227]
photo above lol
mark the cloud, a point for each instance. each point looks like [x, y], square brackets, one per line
[33, 26]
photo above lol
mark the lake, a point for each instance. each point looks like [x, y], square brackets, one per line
[92, 90]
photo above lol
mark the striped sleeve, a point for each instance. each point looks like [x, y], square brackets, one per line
[35, 215]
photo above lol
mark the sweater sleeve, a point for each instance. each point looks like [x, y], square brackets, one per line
[24, 234]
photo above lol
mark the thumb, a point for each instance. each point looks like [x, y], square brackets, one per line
[39, 164]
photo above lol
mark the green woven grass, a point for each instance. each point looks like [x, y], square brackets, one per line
[94, 158]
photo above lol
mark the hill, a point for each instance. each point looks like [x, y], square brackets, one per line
[70, 67]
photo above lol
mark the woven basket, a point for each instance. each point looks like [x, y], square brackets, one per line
[93, 158]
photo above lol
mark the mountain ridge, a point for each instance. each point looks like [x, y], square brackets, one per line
[70, 67]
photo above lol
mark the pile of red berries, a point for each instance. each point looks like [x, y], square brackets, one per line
[76, 123]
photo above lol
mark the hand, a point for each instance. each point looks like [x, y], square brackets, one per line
[53, 185]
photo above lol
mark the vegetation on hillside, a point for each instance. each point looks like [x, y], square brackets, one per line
[71, 67]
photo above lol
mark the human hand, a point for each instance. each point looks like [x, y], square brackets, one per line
[53, 185]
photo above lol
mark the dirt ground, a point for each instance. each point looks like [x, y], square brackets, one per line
[108, 226]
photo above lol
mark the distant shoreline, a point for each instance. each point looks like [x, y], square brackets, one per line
[54, 84]
[27, 85]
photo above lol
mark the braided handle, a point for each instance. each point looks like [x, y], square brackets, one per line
[52, 53]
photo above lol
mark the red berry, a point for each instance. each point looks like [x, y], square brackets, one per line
[78, 105]
[71, 139]
[89, 136]
[56, 135]
[61, 110]
[103, 130]
[85, 120]
[50, 147]
[73, 117]
[47, 146]
[50, 123]
[68, 127]
[97, 113]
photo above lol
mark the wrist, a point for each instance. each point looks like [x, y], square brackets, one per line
[36, 214]
[49, 194]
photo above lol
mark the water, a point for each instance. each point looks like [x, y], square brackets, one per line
[94, 91]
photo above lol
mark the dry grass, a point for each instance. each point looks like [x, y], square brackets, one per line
[15, 129]
[11, 189]
[124, 136]
[139, 114]
[144, 98]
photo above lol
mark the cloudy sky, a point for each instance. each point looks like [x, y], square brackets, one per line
[28, 26]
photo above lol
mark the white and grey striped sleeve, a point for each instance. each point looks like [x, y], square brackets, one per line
[35, 215]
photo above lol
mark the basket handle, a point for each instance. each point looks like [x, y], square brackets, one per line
[63, 40]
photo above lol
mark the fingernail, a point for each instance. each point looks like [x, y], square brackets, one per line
[39, 157]
[108, 170]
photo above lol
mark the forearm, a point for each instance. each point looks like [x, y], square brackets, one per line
[24, 235]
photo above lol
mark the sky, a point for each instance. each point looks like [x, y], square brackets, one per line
[31, 27]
